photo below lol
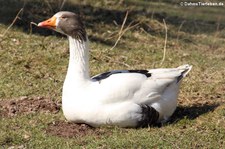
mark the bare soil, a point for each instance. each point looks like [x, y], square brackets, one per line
[25, 105]
[69, 130]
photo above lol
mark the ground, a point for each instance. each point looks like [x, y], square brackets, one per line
[33, 64]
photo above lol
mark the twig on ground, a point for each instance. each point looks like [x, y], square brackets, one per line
[122, 30]
[13, 22]
[32, 23]
[181, 25]
[165, 42]
[62, 5]
[130, 26]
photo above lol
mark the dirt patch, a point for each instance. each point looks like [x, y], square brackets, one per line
[69, 130]
[25, 105]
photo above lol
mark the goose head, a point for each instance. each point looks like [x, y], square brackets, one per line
[67, 23]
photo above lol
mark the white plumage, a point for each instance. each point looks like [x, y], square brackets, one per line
[127, 98]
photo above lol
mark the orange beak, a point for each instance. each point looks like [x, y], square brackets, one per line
[50, 23]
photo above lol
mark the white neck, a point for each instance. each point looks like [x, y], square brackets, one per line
[78, 69]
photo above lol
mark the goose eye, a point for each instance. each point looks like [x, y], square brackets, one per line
[63, 17]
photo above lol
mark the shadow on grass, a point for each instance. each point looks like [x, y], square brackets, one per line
[191, 112]
[37, 10]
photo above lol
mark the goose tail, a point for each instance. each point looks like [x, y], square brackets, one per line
[185, 69]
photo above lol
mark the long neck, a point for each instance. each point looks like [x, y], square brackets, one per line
[78, 69]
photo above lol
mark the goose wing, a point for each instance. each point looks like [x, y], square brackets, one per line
[140, 86]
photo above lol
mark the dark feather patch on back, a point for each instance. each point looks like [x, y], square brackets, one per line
[144, 72]
[149, 116]
[109, 73]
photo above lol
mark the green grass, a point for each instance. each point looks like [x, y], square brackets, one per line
[35, 65]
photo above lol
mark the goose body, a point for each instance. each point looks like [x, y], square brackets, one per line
[126, 98]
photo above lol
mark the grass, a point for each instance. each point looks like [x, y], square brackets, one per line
[35, 65]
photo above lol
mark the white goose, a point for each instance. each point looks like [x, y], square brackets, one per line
[126, 98]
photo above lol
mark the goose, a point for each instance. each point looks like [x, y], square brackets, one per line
[123, 98]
